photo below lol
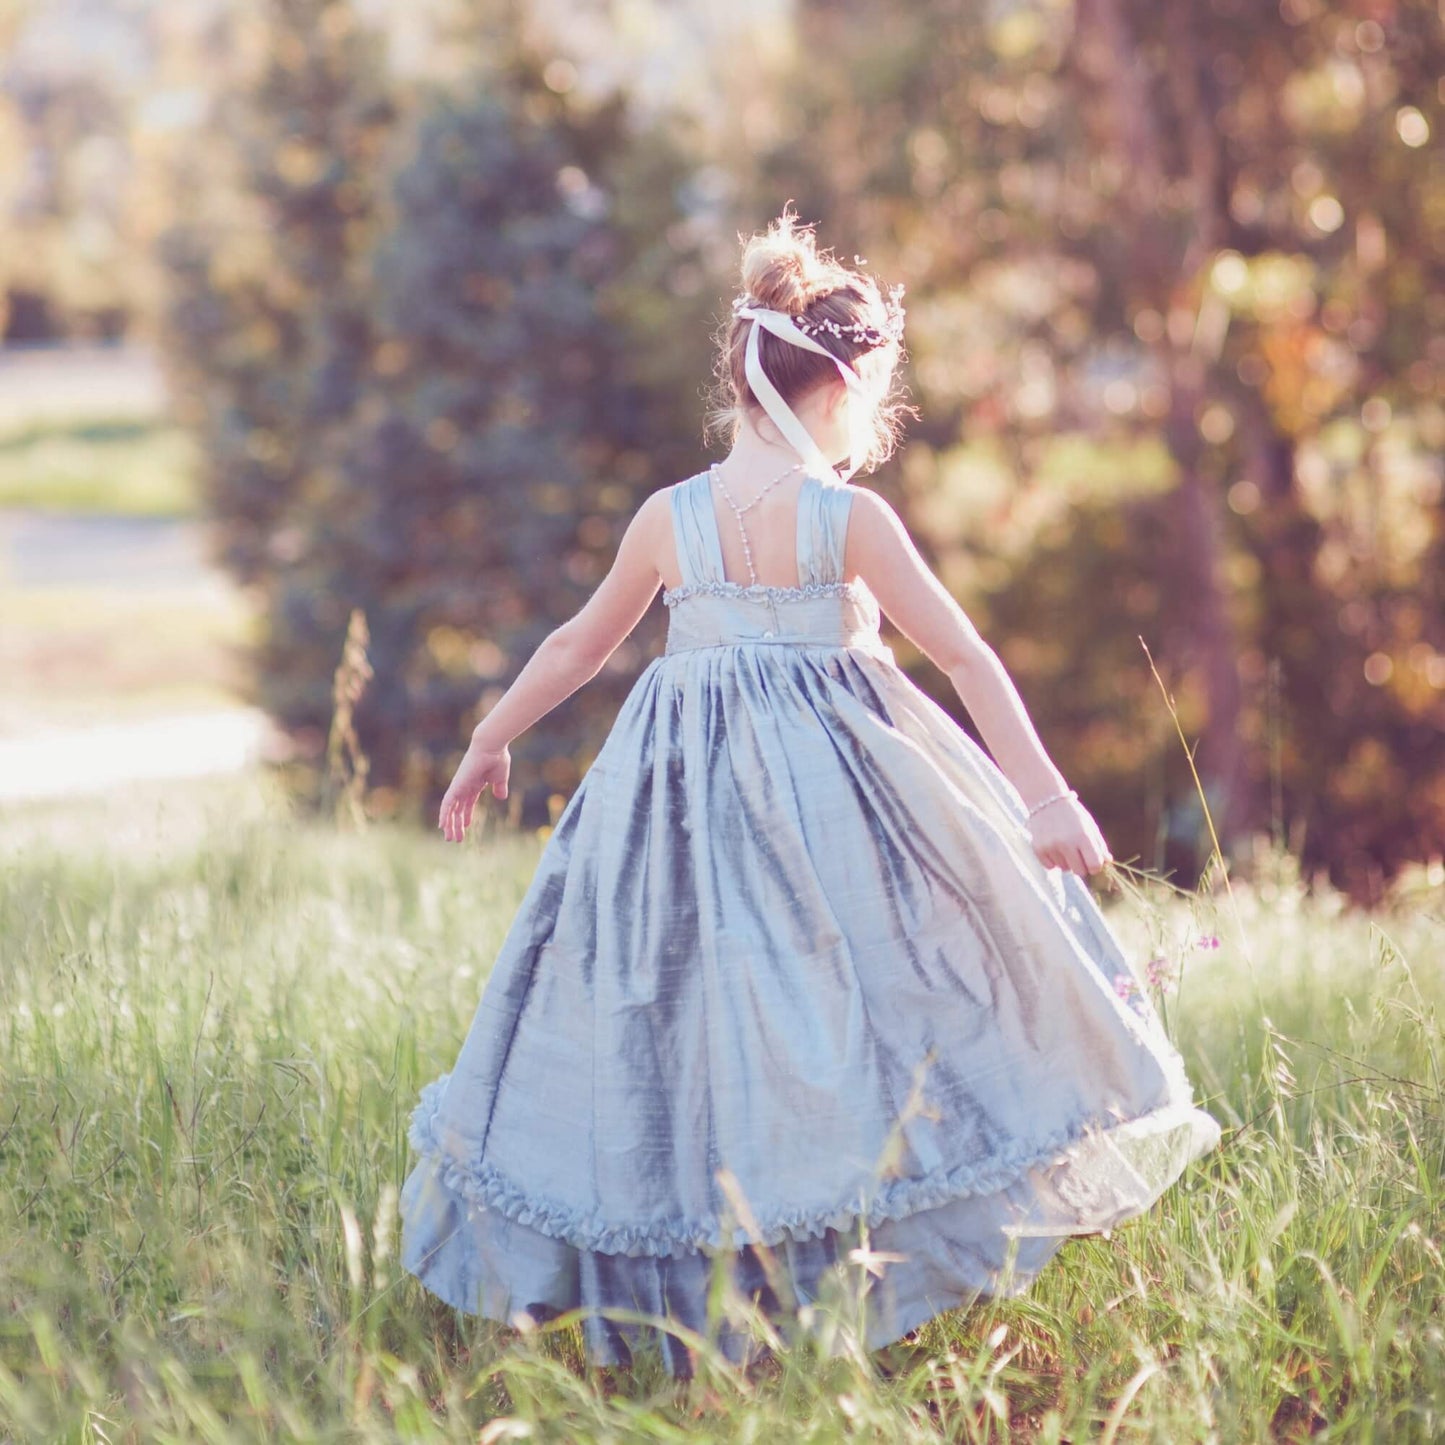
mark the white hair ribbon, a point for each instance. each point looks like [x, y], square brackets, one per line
[783, 416]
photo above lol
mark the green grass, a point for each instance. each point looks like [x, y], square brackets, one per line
[121, 466]
[214, 1020]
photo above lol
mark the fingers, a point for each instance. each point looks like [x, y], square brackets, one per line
[1086, 854]
[1072, 859]
[454, 817]
[458, 809]
[1089, 860]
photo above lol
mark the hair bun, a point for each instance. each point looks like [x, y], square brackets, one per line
[839, 309]
[782, 269]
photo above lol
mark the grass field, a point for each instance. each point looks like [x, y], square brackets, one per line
[121, 465]
[107, 612]
[214, 1019]
[72, 656]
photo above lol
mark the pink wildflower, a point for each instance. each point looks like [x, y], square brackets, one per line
[1209, 940]
[1159, 973]
[1124, 984]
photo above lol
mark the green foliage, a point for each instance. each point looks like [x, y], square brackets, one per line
[73, 260]
[266, 320]
[1213, 229]
[445, 428]
[1174, 277]
[487, 476]
[214, 1020]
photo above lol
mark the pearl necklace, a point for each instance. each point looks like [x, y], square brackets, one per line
[738, 511]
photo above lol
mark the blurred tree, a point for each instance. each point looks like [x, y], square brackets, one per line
[1169, 386]
[1288, 147]
[504, 444]
[268, 324]
[73, 261]
[439, 382]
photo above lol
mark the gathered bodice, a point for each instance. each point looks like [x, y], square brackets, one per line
[822, 610]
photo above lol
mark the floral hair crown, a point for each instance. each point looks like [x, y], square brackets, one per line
[861, 333]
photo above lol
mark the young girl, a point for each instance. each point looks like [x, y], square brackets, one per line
[806, 987]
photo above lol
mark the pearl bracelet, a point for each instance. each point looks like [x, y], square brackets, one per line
[1037, 807]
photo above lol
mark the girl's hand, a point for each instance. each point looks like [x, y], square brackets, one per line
[1065, 835]
[481, 768]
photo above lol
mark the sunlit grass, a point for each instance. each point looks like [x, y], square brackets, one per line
[214, 1020]
[76, 655]
[77, 648]
[122, 465]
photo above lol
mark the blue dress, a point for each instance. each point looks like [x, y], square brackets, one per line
[789, 980]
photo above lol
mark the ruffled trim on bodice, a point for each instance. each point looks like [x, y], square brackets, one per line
[761, 592]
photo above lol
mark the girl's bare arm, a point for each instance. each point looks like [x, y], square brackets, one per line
[566, 658]
[881, 552]
[574, 652]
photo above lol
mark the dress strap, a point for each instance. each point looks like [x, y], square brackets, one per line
[823, 509]
[694, 532]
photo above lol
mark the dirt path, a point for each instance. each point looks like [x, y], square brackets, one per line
[49, 383]
[45, 549]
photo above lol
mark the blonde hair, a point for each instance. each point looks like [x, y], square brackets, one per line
[783, 270]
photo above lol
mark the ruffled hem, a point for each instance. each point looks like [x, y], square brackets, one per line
[897, 1199]
[867, 1288]
[761, 592]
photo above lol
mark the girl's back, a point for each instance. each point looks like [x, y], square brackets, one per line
[808, 602]
[779, 534]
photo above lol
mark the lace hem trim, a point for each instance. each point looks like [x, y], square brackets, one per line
[898, 1199]
[750, 591]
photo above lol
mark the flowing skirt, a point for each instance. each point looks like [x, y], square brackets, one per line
[791, 997]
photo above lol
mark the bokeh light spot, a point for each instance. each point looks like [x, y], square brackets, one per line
[1120, 396]
[1369, 36]
[1378, 668]
[1148, 325]
[559, 76]
[1411, 126]
[1375, 414]
[1154, 400]
[1326, 214]
[1216, 425]
[1229, 273]
[1243, 497]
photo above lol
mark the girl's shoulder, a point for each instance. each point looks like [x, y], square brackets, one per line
[854, 491]
[655, 513]
[662, 496]
[877, 535]
[667, 491]
[865, 502]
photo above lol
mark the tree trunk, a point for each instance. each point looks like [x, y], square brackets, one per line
[1108, 56]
